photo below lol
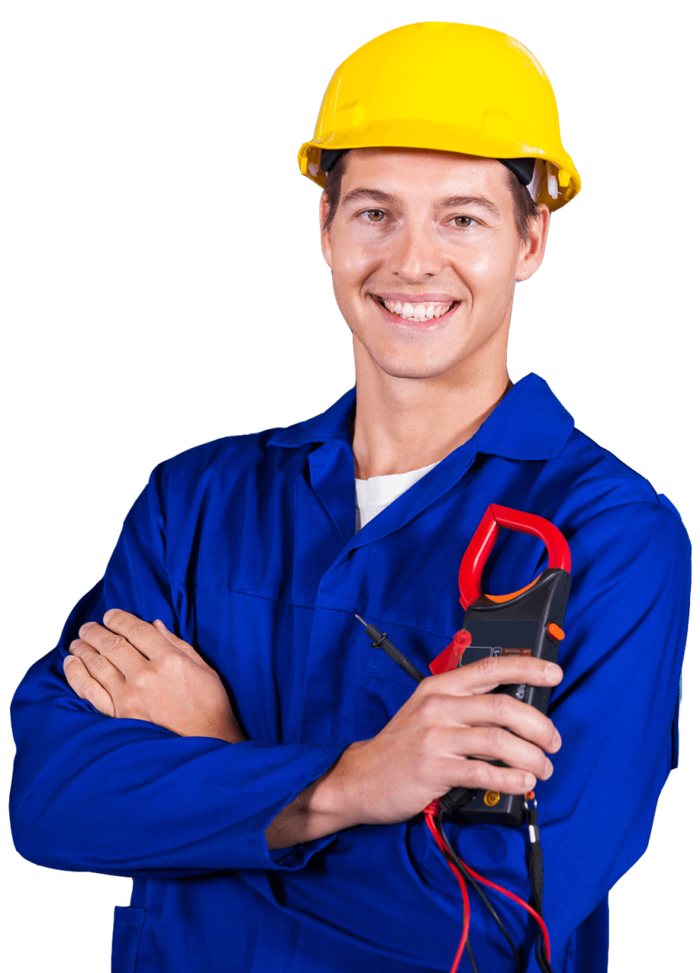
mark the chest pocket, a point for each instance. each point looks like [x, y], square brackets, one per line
[386, 687]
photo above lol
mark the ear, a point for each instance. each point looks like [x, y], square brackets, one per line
[324, 206]
[532, 251]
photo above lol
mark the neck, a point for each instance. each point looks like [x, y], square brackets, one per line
[403, 424]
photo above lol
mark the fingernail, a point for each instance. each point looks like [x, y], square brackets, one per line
[552, 670]
[68, 658]
[530, 781]
[548, 770]
[108, 614]
[84, 628]
[556, 743]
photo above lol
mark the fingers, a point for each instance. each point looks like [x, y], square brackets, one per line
[123, 628]
[98, 665]
[119, 652]
[486, 674]
[85, 686]
[105, 653]
[152, 641]
[485, 728]
[483, 743]
[494, 710]
[468, 725]
[491, 777]
[128, 641]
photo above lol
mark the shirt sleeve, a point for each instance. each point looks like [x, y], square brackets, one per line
[389, 889]
[128, 797]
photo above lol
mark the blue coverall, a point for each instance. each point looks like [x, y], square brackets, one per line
[246, 547]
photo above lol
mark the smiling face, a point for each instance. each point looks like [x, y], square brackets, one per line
[425, 253]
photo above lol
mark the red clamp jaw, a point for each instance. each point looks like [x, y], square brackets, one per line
[476, 556]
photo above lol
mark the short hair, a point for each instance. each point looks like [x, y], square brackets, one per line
[524, 205]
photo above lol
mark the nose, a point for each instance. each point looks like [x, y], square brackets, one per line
[415, 254]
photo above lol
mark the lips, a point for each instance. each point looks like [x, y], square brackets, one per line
[404, 296]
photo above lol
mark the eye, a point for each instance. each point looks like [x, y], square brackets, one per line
[463, 222]
[374, 215]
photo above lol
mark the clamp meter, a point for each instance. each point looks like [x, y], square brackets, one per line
[526, 623]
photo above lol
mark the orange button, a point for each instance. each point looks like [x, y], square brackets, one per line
[555, 632]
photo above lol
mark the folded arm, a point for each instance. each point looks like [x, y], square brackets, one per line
[131, 669]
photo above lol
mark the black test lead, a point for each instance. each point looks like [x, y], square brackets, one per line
[380, 640]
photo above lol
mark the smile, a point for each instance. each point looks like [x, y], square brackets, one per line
[425, 311]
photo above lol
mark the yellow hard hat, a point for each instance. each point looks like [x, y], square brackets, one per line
[448, 87]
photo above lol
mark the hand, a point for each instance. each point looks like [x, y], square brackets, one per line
[421, 753]
[132, 669]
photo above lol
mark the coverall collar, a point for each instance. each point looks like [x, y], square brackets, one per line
[529, 423]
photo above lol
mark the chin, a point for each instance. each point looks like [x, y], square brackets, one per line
[401, 367]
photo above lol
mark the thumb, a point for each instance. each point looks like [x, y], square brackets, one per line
[179, 643]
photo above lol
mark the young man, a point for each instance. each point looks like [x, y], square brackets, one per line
[215, 723]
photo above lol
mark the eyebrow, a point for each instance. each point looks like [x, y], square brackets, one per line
[387, 199]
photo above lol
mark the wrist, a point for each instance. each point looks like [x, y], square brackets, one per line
[331, 803]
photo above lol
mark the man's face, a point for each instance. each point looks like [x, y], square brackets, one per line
[425, 253]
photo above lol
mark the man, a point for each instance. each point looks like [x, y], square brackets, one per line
[225, 734]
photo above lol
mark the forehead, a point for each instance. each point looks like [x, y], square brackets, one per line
[425, 173]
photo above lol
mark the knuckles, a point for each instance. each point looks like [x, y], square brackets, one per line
[111, 643]
[487, 667]
[497, 738]
[501, 670]
[430, 742]
[431, 708]
[97, 664]
[503, 705]
[140, 631]
[476, 773]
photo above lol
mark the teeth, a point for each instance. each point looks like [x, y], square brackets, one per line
[417, 312]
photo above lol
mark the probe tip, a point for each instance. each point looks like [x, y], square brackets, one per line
[361, 620]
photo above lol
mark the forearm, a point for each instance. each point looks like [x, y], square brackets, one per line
[423, 752]
[128, 797]
[300, 822]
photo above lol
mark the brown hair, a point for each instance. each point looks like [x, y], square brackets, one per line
[524, 205]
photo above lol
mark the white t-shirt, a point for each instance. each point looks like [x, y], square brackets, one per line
[373, 495]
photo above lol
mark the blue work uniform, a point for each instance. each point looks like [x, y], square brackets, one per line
[246, 547]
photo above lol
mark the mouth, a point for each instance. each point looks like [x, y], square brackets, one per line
[416, 311]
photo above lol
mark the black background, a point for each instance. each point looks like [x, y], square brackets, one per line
[169, 253]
